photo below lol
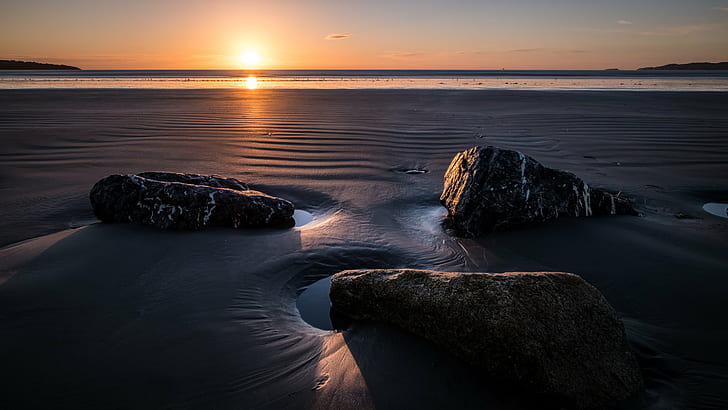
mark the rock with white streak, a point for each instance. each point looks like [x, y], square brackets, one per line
[490, 189]
[169, 200]
[549, 331]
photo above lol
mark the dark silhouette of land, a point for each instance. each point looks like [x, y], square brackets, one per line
[690, 66]
[29, 65]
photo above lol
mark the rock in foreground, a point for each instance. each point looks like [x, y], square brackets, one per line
[169, 200]
[491, 189]
[551, 331]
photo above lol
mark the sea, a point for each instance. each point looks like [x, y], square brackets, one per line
[608, 80]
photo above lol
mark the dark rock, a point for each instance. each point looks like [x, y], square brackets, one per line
[194, 179]
[491, 189]
[552, 332]
[186, 201]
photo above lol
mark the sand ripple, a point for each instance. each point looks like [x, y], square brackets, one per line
[209, 319]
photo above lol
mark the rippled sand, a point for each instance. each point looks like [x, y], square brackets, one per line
[97, 315]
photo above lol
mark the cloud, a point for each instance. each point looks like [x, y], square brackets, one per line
[663, 31]
[404, 54]
[721, 8]
[337, 36]
[624, 22]
[698, 28]
[548, 50]
[408, 55]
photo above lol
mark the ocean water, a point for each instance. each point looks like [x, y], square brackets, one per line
[371, 79]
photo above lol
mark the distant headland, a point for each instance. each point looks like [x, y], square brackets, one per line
[29, 65]
[690, 66]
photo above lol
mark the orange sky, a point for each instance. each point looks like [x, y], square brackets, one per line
[426, 34]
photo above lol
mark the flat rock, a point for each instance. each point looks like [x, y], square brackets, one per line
[490, 189]
[550, 331]
[169, 200]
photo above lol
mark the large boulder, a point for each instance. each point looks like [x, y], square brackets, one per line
[186, 201]
[491, 189]
[550, 331]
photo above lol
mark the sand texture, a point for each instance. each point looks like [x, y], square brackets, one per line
[99, 315]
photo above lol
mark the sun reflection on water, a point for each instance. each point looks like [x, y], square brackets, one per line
[251, 83]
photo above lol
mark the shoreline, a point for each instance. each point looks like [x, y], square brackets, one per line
[598, 80]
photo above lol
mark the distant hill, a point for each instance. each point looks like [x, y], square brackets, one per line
[29, 65]
[690, 66]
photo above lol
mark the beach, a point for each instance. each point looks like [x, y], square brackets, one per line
[124, 316]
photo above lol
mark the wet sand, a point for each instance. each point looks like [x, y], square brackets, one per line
[96, 315]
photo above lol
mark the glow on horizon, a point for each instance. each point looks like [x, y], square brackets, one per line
[377, 34]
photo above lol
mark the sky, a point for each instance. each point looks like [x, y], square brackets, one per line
[365, 34]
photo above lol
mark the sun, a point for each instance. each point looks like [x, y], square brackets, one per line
[250, 58]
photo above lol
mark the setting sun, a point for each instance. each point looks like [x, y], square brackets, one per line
[250, 58]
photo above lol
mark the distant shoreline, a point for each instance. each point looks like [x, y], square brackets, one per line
[690, 66]
[30, 65]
